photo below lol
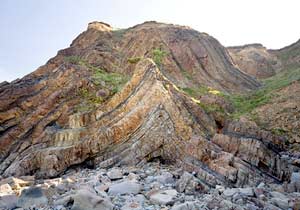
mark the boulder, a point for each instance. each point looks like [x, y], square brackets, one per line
[86, 200]
[295, 181]
[8, 202]
[165, 178]
[195, 205]
[248, 191]
[163, 197]
[184, 181]
[5, 189]
[33, 196]
[115, 174]
[230, 192]
[125, 187]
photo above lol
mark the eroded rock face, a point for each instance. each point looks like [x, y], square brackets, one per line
[255, 60]
[260, 62]
[42, 134]
[186, 57]
[151, 118]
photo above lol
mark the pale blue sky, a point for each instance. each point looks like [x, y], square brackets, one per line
[32, 31]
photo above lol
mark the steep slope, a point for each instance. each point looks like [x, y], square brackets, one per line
[255, 60]
[188, 58]
[290, 55]
[76, 109]
[260, 62]
[151, 118]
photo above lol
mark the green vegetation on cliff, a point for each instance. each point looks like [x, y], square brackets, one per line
[108, 83]
[246, 103]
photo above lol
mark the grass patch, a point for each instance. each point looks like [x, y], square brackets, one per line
[158, 55]
[200, 91]
[246, 103]
[111, 82]
[119, 33]
[187, 75]
[212, 108]
[278, 131]
[73, 59]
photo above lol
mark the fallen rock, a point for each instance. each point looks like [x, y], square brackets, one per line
[115, 174]
[86, 200]
[295, 181]
[33, 196]
[163, 197]
[183, 181]
[16, 183]
[189, 206]
[8, 201]
[230, 191]
[125, 187]
[280, 200]
[165, 178]
[5, 189]
[247, 191]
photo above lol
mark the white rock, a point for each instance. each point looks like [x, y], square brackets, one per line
[86, 200]
[295, 181]
[230, 192]
[247, 191]
[163, 197]
[5, 189]
[261, 185]
[115, 174]
[165, 178]
[281, 203]
[220, 188]
[184, 180]
[189, 206]
[125, 187]
[8, 201]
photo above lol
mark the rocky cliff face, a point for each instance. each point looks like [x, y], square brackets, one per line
[255, 60]
[260, 62]
[118, 98]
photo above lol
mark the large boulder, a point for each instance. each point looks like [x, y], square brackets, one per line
[32, 197]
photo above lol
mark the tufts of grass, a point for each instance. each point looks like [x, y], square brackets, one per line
[278, 131]
[111, 80]
[76, 60]
[212, 108]
[246, 103]
[158, 55]
[134, 60]
[187, 75]
[200, 91]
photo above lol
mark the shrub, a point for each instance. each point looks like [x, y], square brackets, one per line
[246, 103]
[158, 55]
[73, 59]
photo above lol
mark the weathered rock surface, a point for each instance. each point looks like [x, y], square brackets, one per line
[255, 60]
[81, 194]
[77, 112]
[149, 118]
[33, 196]
[126, 187]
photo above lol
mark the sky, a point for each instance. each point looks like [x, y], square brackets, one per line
[32, 31]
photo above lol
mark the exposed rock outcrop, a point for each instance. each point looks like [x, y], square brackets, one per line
[75, 110]
[151, 118]
[255, 60]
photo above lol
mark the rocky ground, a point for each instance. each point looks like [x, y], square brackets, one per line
[152, 186]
